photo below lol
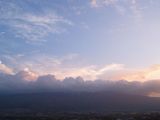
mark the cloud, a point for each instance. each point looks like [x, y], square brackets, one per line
[5, 69]
[149, 73]
[61, 66]
[27, 74]
[35, 28]
[117, 5]
[100, 3]
[31, 26]
[136, 10]
[64, 66]
[62, 77]
[94, 3]
[121, 6]
[74, 66]
[17, 83]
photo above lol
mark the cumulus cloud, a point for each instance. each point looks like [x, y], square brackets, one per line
[26, 74]
[46, 73]
[17, 83]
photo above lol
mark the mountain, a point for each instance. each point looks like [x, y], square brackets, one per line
[78, 102]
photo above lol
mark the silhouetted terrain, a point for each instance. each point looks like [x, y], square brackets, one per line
[78, 102]
[89, 116]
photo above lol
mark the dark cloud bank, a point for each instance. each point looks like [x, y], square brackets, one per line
[48, 83]
[48, 94]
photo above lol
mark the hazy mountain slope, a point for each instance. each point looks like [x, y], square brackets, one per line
[78, 102]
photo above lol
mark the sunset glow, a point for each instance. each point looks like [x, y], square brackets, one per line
[94, 39]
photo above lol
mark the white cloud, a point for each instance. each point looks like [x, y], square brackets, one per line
[121, 6]
[136, 10]
[74, 66]
[5, 69]
[27, 74]
[94, 3]
[30, 26]
[100, 3]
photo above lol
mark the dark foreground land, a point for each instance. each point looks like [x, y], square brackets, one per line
[80, 116]
[78, 106]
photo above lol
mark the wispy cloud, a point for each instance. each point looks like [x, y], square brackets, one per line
[31, 26]
[151, 72]
[121, 6]
[94, 3]
[136, 10]
[74, 66]
[64, 66]
[100, 3]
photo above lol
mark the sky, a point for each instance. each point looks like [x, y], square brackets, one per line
[94, 39]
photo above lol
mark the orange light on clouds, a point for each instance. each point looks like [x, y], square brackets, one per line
[150, 73]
